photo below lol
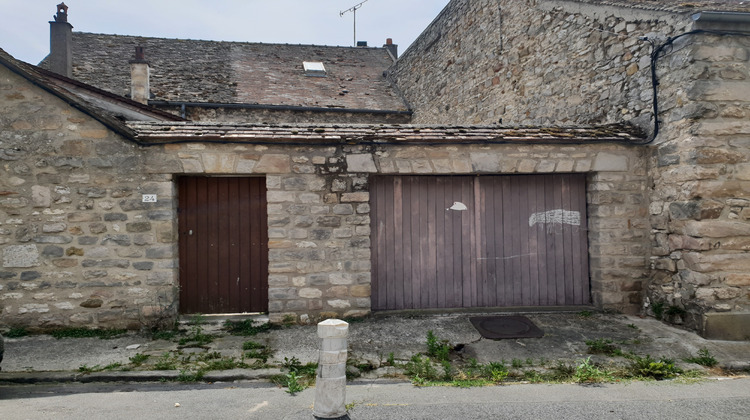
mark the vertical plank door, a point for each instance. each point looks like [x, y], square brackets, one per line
[223, 245]
[479, 241]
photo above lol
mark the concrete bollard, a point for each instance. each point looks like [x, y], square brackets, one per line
[330, 385]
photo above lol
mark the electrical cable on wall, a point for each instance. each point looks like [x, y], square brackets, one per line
[656, 53]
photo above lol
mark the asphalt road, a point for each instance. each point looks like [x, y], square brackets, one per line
[715, 399]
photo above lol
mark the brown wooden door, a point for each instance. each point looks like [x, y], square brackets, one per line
[223, 239]
[465, 241]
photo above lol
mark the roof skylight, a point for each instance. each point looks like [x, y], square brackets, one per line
[314, 68]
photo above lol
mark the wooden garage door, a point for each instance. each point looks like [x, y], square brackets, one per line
[479, 241]
[223, 239]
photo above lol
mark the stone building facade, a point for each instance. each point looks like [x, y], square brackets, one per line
[80, 247]
[667, 212]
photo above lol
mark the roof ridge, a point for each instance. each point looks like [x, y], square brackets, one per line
[228, 42]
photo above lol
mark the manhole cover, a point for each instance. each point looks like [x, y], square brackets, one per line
[499, 327]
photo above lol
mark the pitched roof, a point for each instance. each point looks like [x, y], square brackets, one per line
[153, 133]
[234, 72]
[683, 6]
[109, 109]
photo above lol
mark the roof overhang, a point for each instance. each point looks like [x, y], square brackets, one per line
[157, 133]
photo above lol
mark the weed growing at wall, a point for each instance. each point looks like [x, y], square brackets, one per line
[603, 346]
[16, 332]
[103, 333]
[648, 367]
[704, 358]
[246, 327]
[588, 372]
[299, 376]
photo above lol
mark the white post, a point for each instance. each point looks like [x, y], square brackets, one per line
[330, 385]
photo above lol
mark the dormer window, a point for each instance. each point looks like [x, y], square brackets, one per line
[314, 68]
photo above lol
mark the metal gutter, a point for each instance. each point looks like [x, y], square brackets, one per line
[736, 21]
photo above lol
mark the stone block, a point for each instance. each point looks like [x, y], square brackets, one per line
[296, 305]
[343, 209]
[717, 228]
[53, 251]
[65, 262]
[716, 262]
[718, 53]
[329, 221]
[158, 215]
[219, 163]
[138, 227]
[159, 278]
[361, 163]
[362, 290]
[84, 217]
[143, 265]
[733, 326]
[273, 164]
[337, 292]
[277, 280]
[737, 279]
[677, 242]
[310, 293]
[339, 303]
[485, 162]
[121, 240]
[92, 303]
[41, 196]
[355, 197]
[608, 162]
[160, 252]
[712, 156]
[87, 240]
[684, 210]
[20, 256]
[33, 308]
[280, 197]
[115, 217]
[108, 263]
[282, 293]
[54, 227]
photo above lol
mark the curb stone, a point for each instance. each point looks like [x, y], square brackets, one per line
[131, 376]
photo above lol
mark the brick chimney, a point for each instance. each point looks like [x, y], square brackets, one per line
[392, 48]
[140, 91]
[60, 40]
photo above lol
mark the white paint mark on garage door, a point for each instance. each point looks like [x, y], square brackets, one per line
[558, 216]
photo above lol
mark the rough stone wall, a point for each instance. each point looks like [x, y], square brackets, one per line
[78, 246]
[319, 211]
[272, 116]
[532, 62]
[701, 201]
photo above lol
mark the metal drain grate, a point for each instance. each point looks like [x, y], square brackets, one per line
[500, 327]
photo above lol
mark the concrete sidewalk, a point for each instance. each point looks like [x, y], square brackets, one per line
[42, 358]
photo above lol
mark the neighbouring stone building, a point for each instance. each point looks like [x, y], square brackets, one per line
[102, 221]
[233, 81]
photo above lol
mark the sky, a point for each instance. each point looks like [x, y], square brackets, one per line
[24, 31]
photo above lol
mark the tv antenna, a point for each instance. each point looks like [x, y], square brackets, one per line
[353, 9]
